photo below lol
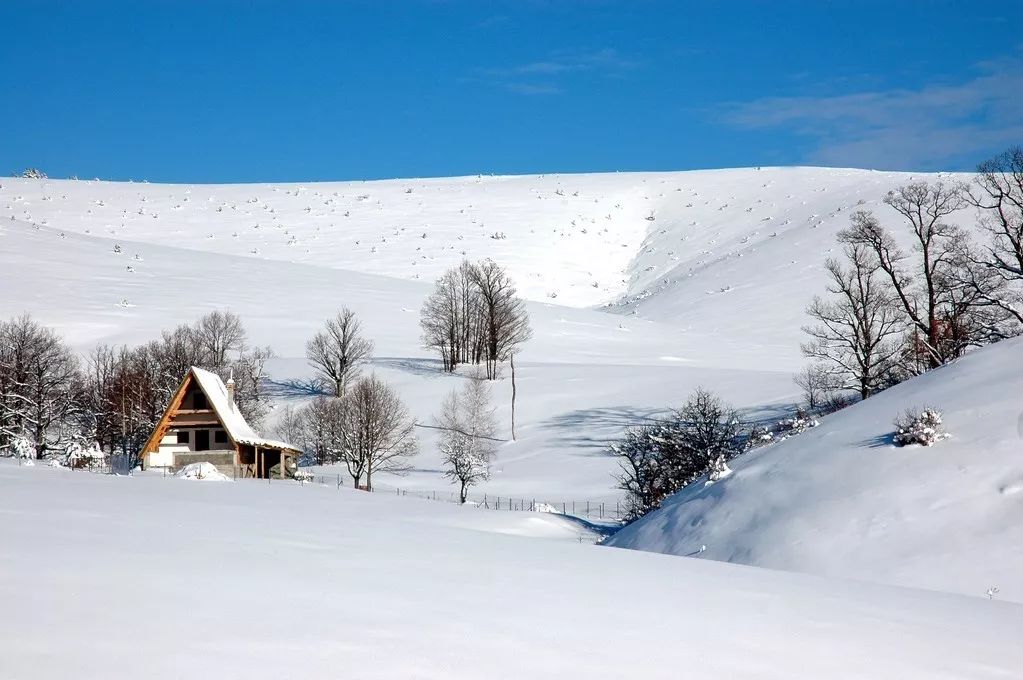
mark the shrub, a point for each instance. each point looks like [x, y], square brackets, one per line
[661, 458]
[923, 427]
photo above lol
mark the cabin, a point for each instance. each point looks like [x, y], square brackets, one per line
[203, 424]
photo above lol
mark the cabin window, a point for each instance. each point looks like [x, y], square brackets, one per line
[182, 436]
[219, 437]
[199, 401]
[202, 440]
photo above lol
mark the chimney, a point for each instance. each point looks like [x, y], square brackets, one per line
[230, 391]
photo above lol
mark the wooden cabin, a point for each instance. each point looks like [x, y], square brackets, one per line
[203, 424]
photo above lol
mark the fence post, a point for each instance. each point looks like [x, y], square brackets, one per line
[563, 508]
[587, 508]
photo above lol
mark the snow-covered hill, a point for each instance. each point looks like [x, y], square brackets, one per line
[641, 287]
[712, 252]
[114, 577]
[706, 275]
[841, 499]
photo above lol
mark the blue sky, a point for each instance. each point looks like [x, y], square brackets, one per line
[260, 91]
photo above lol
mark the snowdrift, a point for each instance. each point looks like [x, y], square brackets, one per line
[841, 499]
[206, 472]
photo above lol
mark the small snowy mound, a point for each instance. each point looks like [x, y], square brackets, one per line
[845, 499]
[207, 472]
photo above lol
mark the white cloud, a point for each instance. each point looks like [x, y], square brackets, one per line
[924, 128]
[548, 76]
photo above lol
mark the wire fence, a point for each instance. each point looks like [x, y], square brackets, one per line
[592, 510]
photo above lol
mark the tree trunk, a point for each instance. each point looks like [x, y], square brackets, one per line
[512, 358]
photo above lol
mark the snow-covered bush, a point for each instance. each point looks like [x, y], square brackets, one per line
[660, 458]
[21, 447]
[801, 422]
[77, 455]
[923, 428]
[718, 469]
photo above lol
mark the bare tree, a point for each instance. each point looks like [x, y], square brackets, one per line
[322, 430]
[997, 277]
[505, 321]
[218, 334]
[339, 351]
[474, 316]
[380, 433]
[935, 305]
[249, 373]
[291, 428]
[815, 381]
[451, 318]
[855, 337]
[468, 440]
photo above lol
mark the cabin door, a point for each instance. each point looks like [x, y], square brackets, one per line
[202, 440]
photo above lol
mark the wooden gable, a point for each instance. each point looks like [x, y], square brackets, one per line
[176, 414]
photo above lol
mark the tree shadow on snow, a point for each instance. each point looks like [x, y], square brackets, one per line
[592, 429]
[293, 389]
[415, 366]
[881, 441]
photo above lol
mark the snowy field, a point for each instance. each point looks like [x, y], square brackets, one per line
[167, 578]
[641, 287]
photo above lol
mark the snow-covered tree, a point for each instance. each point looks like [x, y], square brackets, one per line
[39, 386]
[468, 442]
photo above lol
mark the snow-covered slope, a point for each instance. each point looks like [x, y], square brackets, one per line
[115, 577]
[842, 500]
[642, 286]
[709, 291]
[716, 252]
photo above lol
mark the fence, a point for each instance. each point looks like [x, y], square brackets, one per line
[587, 509]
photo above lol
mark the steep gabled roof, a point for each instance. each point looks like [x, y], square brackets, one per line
[238, 430]
[230, 417]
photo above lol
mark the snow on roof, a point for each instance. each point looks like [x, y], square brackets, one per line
[231, 418]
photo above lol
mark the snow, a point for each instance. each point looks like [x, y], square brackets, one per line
[206, 472]
[282, 579]
[842, 499]
[285, 580]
